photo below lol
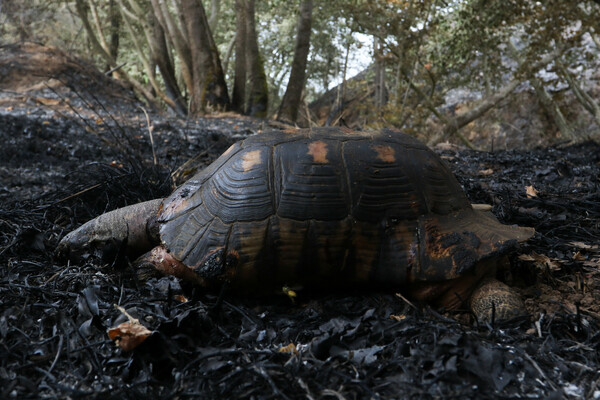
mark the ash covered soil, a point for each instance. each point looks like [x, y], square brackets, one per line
[71, 151]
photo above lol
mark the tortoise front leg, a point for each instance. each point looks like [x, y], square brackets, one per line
[133, 224]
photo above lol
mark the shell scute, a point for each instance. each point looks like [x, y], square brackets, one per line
[330, 207]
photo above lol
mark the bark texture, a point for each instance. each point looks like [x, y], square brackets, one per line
[238, 98]
[293, 94]
[258, 96]
[209, 91]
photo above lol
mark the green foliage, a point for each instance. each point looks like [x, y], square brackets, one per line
[428, 47]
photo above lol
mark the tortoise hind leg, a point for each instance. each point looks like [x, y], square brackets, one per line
[133, 224]
[493, 300]
[159, 261]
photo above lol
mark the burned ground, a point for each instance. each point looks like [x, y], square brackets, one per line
[65, 163]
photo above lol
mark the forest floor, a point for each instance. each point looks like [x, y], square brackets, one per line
[75, 144]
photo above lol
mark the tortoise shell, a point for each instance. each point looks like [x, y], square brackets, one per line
[328, 207]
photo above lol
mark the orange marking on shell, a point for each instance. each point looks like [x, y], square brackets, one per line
[250, 160]
[385, 153]
[319, 151]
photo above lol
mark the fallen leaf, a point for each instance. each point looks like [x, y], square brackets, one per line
[290, 348]
[486, 172]
[579, 257]
[594, 263]
[46, 101]
[584, 246]
[129, 335]
[181, 298]
[531, 192]
[398, 317]
[541, 261]
[290, 293]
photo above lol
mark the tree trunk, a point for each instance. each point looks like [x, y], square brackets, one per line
[177, 39]
[551, 107]
[583, 98]
[338, 105]
[215, 8]
[293, 94]
[544, 97]
[209, 90]
[238, 100]
[115, 27]
[453, 125]
[160, 56]
[98, 43]
[258, 98]
[380, 89]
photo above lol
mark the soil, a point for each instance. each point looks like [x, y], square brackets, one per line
[76, 143]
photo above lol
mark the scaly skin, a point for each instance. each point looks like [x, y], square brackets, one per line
[493, 301]
[131, 224]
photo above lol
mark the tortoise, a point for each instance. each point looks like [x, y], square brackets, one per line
[322, 208]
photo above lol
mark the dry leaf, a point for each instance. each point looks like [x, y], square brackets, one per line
[594, 263]
[290, 293]
[584, 246]
[531, 192]
[181, 298]
[129, 335]
[398, 317]
[486, 172]
[541, 261]
[290, 348]
[579, 257]
[47, 102]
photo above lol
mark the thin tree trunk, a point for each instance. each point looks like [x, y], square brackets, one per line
[293, 94]
[544, 97]
[209, 90]
[258, 96]
[338, 106]
[595, 39]
[453, 125]
[238, 100]
[228, 54]
[551, 107]
[584, 99]
[215, 8]
[176, 37]
[114, 31]
[380, 90]
[161, 57]
[103, 52]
